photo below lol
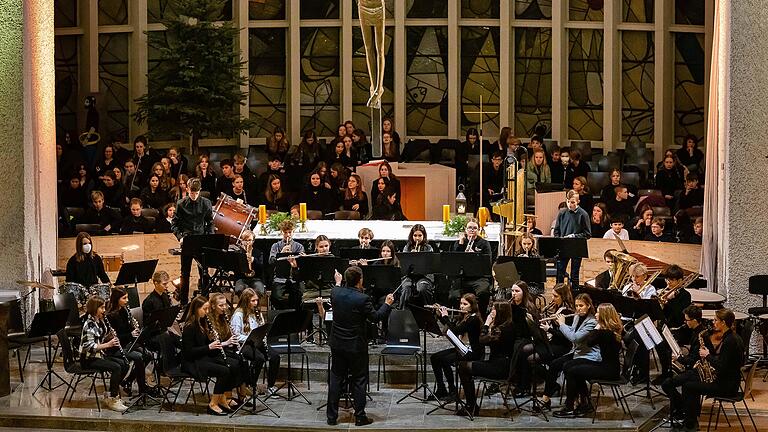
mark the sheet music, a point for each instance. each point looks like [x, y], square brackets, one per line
[647, 332]
[667, 333]
[464, 349]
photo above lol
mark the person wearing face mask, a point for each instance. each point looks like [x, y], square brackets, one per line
[571, 222]
[194, 215]
[563, 171]
[85, 266]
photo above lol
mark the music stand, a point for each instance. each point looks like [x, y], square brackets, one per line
[320, 270]
[562, 247]
[47, 324]
[465, 265]
[141, 399]
[287, 324]
[133, 273]
[224, 261]
[463, 350]
[380, 280]
[425, 319]
[357, 253]
[193, 246]
[255, 338]
[651, 338]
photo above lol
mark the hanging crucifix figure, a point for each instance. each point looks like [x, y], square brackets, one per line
[372, 15]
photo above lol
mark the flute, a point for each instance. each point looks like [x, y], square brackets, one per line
[437, 307]
[325, 300]
[367, 260]
[285, 258]
[553, 318]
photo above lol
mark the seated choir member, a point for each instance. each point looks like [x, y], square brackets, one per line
[693, 327]
[286, 292]
[164, 220]
[603, 279]
[95, 340]
[528, 246]
[85, 266]
[240, 193]
[724, 351]
[387, 206]
[498, 333]
[121, 321]
[657, 233]
[355, 198]
[364, 238]
[390, 180]
[99, 214]
[252, 277]
[203, 355]
[136, 222]
[417, 287]
[583, 322]
[248, 317]
[469, 322]
[635, 289]
[317, 196]
[153, 195]
[470, 242]
[607, 338]
[275, 197]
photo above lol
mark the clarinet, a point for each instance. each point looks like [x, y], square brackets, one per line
[215, 335]
[111, 331]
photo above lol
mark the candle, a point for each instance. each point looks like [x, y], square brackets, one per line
[482, 216]
[262, 214]
[302, 211]
[446, 213]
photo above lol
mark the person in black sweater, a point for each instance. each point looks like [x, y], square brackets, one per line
[361, 145]
[498, 333]
[607, 336]
[274, 168]
[387, 206]
[136, 222]
[207, 177]
[114, 193]
[317, 196]
[194, 215]
[470, 322]
[690, 156]
[121, 321]
[153, 196]
[85, 267]
[275, 197]
[620, 205]
[355, 199]
[239, 191]
[585, 196]
[693, 195]
[470, 242]
[224, 183]
[693, 327]
[562, 169]
[609, 191]
[578, 169]
[493, 178]
[669, 180]
[108, 219]
[71, 194]
[657, 233]
[385, 171]
[571, 222]
[164, 220]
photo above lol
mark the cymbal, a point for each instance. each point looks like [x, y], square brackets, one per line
[34, 284]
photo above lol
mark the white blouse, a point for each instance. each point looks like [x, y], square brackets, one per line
[238, 326]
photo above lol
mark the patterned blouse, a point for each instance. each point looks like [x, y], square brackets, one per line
[93, 334]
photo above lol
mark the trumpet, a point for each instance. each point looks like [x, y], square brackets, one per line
[437, 307]
[286, 258]
[553, 318]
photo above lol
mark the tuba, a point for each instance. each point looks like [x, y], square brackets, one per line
[620, 270]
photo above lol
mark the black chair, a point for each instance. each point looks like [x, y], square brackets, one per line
[74, 215]
[73, 367]
[739, 397]
[170, 367]
[150, 212]
[662, 211]
[18, 336]
[631, 178]
[508, 383]
[649, 192]
[609, 162]
[68, 302]
[279, 345]
[758, 285]
[597, 181]
[616, 385]
[92, 229]
[584, 147]
[402, 341]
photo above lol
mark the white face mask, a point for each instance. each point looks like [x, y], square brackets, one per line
[564, 159]
[87, 248]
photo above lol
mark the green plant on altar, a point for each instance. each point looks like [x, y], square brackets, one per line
[274, 221]
[456, 225]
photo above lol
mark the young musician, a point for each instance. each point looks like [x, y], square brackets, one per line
[470, 323]
[635, 288]
[417, 286]
[248, 317]
[571, 222]
[364, 237]
[313, 288]
[723, 350]
[194, 215]
[349, 347]
[85, 266]
[156, 300]
[498, 333]
[127, 330]
[470, 242]
[286, 292]
[95, 340]
[218, 318]
[202, 356]
[670, 382]
[603, 280]
[607, 338]
[528, 246]
[250, 278]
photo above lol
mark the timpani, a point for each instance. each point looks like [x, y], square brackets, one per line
[708, 299]
[709, 315]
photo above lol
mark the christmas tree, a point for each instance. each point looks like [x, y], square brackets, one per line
[195, 90]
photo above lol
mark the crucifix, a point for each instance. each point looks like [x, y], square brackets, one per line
[482, 115]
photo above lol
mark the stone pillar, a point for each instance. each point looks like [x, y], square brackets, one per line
[28, 218]
[743, 103]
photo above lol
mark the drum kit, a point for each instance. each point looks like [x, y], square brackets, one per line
[232, 217]
[83, 293]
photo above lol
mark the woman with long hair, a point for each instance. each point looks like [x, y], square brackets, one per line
[385, 171]
[277, 144]
[154, 196]
[417, 286]
[528, 246]
[355, 199]
[274, 197]
[248, 317]
[362, 146]
[585, 197]
[127, 330]
[159, 171]
[599, 220]
[317, 196]
[85, 266]
[205, 173]
[106, 161]
[537, 170]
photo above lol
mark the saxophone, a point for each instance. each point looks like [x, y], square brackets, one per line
[215, 335]
[707, 373]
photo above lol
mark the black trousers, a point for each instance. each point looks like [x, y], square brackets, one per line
[115, 368]
[671, 384]
[186, 271]
[555, 367]
[578, 371]
[692, 390]
[286, 295]
[495, 368]
[442, 366]
[259, 356]
[228, 373]
[344, 364]
[481, 287]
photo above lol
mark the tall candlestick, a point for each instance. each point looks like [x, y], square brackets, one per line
[446, 213]
[302, 211]
[482, 216]
[262, 214]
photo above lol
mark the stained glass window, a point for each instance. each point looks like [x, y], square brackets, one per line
[533, 9]
[389, 9]
[153, 63]
[67, 103]
[65, 13]
[479, 8]
[689, 85]
[689, 12]
[361, 114]
[157, 10]
[113, 12]
[585, 84]
[320, 83]
[319, 9]
[585, 10]
[266, 79]
[637, 11]
[533, 80]
[637, 78]
[266, 10]
[113, 84]
[426, 83]
[426, 8]
[479, 76]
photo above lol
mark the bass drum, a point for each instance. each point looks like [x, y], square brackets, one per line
[101, 290]
[77, 290]
[232, 218]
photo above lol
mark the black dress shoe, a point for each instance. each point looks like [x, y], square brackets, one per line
[331, 422]
[363, 421]
[211, 411]
[565, 413]
[583, 410]
[659, 380]
[225, 409]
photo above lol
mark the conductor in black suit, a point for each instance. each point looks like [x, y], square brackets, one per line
[349, 347]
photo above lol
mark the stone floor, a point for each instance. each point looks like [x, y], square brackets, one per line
[23, 410]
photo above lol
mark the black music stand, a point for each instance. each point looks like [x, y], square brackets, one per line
[193, 246]
[320, 270]
[287, 324]
[651, 338]
[380, 280]
[161, 319]
[418, 263]
[47, 324]
[425, 319]
[357, 253]
[255, 338]
[563, 247]
[224, 261]
[134, 273]
[461, 265]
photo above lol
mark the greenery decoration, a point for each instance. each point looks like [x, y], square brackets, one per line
[456, 225]
[197, 87]
[274, 221]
